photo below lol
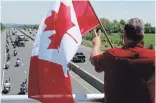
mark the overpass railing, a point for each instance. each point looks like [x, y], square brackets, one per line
[24, 98]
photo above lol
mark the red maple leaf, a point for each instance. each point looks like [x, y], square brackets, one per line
[60, 22]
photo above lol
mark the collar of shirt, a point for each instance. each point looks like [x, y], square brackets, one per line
[132, 45]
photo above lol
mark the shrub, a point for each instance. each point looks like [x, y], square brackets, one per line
[151, 46]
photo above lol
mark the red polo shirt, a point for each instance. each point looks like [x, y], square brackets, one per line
[127, 70]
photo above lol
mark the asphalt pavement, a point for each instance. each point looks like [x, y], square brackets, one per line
[18, 74]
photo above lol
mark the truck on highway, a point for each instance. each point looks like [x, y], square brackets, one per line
[20, 40]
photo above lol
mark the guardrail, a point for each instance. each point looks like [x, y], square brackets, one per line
[99, 85]
[87, 77]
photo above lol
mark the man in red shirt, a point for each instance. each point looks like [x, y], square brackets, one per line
[127, 69]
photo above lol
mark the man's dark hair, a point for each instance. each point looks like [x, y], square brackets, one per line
[134, 29]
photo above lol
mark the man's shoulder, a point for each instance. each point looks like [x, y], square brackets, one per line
[147, 53]
[120, 52]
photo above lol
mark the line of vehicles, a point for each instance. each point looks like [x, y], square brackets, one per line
[7, 83]
[20, 41]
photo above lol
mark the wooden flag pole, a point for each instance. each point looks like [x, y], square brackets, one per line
[102, 27]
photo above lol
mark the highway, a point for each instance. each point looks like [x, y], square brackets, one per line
[86, 51]
[18, 75]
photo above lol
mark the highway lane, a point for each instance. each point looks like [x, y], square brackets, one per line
[19, 74]
[3, 38]
[87, 65]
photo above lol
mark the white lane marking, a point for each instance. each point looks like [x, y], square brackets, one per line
[21, 61]
[25, 71]
[4, 55]
[80, 83]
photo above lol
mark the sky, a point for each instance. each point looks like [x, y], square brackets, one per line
[31, 12]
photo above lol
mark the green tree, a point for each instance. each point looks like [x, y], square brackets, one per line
[153, 30]
[149, 29]
[116, 27]
[115, 21]
[122, 22]
[107, 25]
[2, 26]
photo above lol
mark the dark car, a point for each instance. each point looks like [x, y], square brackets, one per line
[79, 57]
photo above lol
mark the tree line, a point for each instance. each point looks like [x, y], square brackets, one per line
[118, 26]
[29, 27]
[2, 26]
[110, 26]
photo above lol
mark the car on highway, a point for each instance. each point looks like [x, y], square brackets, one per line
[79, 57]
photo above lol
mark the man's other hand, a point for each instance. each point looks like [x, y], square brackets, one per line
[96, 40]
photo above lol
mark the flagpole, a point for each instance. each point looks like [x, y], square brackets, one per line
[102, 26]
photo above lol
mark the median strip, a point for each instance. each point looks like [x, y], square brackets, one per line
[92, 80]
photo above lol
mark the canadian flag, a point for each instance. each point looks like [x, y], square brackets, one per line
[57, 40]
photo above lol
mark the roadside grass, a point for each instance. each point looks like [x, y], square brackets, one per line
[149, 39]
[88, 43]
[116, 41]
[2, 30]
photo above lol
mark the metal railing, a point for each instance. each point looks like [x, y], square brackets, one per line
[24, 98]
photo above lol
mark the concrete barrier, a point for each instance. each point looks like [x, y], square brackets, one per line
[27, 35]
[92, 80]
[99, 85]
